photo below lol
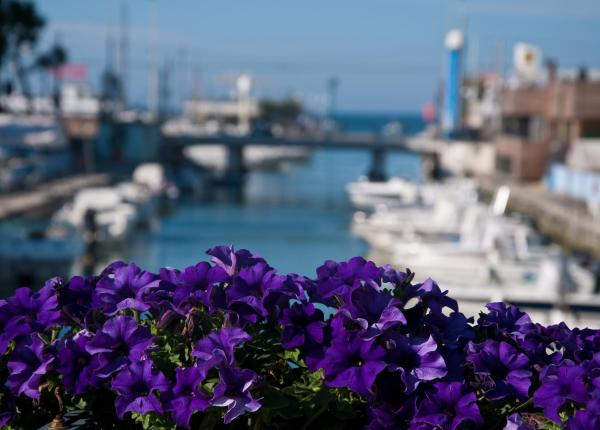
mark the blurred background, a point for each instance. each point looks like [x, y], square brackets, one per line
[460, 139]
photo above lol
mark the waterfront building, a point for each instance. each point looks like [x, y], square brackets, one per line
[546, 120]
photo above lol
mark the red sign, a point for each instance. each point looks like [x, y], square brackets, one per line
[428, 112]
[71, 72]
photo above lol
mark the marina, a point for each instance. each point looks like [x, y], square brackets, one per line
[315, 215]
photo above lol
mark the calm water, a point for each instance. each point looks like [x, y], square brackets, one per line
[296, 217]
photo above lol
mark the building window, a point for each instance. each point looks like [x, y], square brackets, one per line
[503, 164]
[516, 126]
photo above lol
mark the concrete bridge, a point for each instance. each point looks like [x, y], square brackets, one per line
[377, 146]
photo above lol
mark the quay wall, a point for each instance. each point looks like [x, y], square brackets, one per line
[562, 218]
[48, 194]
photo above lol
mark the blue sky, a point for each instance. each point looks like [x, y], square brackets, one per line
[387, 54]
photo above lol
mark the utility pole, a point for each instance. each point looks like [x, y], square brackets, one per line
[153, 84]
[332, 88]
[124, 52]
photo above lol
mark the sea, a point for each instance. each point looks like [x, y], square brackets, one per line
[296, 216]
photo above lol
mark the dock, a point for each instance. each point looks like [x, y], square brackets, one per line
[47, 195]
[564, 219]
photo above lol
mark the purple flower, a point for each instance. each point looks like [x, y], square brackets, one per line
[450, 407]
[450, 330]
[374, 311]
[187, 397]
[232, 392]
[430, 295]
[136, 386]
[384, 417]
[76, 297]
[302, 323]
[27, 365]
[195, 285]
[232, 261]
[504, 370]
[353, 363]
[340, 279]
[560, 384]
[38, 310]
[123, 289]
[11, 327]
[74, 364]
[416, 359]
[278, 290]
[120, 341]
[245, 294]
[218, 347]
[507, 320]
[585, 419]
[516, 422]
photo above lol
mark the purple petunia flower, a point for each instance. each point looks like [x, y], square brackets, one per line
[11, 327]
[123, 289]
[76, 297]
[232, 261]
[503, 369]
[516, 422]
[384, 417]
[279, 290]
[374, 311]
[74, 364]
[450, 407]
[506, 319]
[430, 295]
[450, 330]
[120, 341]
[218, 347]
[245, 294]
[232, 392]
[560, 384]
[340, 279]
[136, 386]
[27, 365]
[37, 310]
[585, 419]
[195, 285]
[187, 397]
[352, 362]
[302, 323]
[416, 359]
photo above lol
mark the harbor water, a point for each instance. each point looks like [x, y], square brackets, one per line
[296, 216]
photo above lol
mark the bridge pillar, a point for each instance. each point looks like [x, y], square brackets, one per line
[235, 170]
[377, 170]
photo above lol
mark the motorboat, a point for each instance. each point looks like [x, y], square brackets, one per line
[399, 193]
[395, 192]
[142, 198]
[100, 213]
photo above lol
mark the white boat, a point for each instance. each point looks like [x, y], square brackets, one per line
[152, 176]
[397, 193]
[140, 196]
[100, 214]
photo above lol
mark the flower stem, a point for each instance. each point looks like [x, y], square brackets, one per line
[312, 419]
